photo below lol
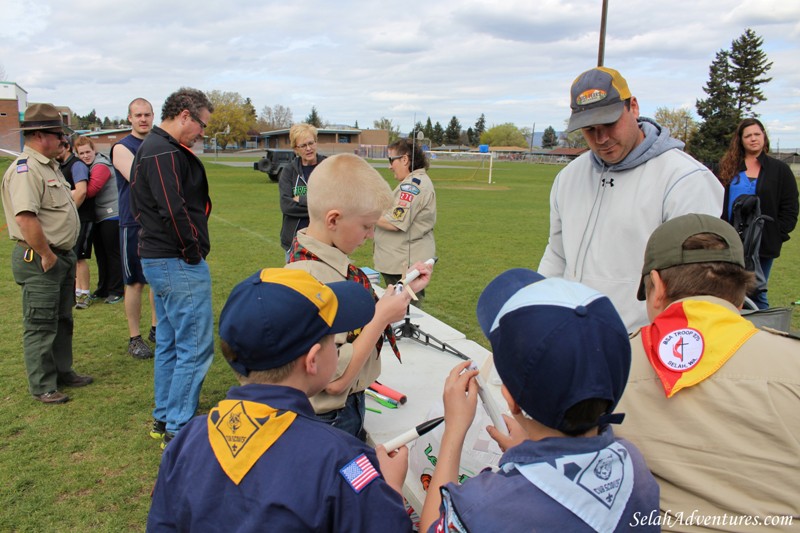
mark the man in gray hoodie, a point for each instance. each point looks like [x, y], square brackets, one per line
[606, 203]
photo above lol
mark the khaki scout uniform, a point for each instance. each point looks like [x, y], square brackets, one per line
[34, 183]
[331, 267]
[727, 445]
[413, 212]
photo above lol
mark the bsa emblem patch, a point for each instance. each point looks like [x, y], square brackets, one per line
[399, 213]
[681, 350]
[590, 97]
[407, 187]
[406, 196]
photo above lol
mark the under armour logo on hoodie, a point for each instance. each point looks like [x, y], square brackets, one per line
[609, 182]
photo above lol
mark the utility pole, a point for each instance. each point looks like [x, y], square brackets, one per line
[601, 51]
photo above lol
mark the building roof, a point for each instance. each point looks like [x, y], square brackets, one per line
[285, 131]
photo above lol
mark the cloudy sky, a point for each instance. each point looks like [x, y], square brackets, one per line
[512, 60]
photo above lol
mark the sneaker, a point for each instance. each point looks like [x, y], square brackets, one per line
[167, 437]
[52, 397]
[152, 336]
[83, 301]
[138, 349]
[73, 379]
[158, 430]
[114, 299]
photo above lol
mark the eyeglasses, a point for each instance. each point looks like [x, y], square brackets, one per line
[196, 119]
[392, 159]
[58, 134]
[311, 144]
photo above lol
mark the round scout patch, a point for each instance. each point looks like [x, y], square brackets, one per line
[681, 350]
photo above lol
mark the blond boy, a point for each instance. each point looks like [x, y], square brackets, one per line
[345, 200]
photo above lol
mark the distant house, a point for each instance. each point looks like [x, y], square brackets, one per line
[104, 139]
[366, 143]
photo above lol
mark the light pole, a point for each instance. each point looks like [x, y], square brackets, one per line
[216, 145]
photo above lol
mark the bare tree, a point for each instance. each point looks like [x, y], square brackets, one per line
[275, 118]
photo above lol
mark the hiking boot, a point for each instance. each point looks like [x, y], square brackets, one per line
[152, 336]
[114, 299]
[158, 429]
[138, 349]
[52, 397]
[73, 379]
[167, 437]
[82, 301]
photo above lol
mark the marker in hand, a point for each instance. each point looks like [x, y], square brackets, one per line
[412, 275]
[412, 434]
[488, 403]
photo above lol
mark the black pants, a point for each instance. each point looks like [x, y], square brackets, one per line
[109, 265]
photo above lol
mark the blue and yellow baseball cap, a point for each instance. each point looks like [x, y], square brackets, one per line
[276, 315]
[597, 97]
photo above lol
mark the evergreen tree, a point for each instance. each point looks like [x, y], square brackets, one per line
[250, 108]
[749, 65]
[480, 126]
[549, 138]
[313, 118]
[452, 134]
[438, 134]
[418, 127]
[719, 112]
[428, 129]
[472, 139]
[106, 123]
[356, 125]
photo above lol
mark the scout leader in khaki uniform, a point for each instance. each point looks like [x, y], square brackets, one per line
[404, 234]
[43, 221]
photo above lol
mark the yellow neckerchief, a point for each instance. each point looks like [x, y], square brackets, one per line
[240, 432]
[691, 340]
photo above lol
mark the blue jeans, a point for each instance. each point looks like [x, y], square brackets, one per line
[184, 336]
[760, 299]
[349, 418]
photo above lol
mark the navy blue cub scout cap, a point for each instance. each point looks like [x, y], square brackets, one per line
[276, 315]
[555, 343]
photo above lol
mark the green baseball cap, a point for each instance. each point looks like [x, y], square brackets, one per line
[665, 246]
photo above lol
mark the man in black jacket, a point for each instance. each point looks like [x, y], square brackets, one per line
[169, 199]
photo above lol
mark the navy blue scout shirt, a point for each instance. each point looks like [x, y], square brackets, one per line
[296, 485]
[557, 484]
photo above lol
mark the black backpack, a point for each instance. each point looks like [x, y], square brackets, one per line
[748, 221]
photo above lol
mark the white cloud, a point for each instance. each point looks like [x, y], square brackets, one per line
[359, 61]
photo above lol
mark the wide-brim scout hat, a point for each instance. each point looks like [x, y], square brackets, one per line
[43, 117]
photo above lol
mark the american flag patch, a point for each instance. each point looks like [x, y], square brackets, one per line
[22, 167]
[359, 473]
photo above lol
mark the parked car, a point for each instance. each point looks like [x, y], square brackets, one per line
[274, 162]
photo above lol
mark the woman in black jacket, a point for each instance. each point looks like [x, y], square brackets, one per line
[747, 169]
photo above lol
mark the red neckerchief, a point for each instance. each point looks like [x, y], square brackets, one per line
[301, 253]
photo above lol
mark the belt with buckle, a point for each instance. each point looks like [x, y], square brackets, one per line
[58, 251]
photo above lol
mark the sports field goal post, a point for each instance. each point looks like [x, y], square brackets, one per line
[483, 160]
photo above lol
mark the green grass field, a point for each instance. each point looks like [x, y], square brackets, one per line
[90, 465]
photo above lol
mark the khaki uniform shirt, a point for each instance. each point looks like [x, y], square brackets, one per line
[728, 445]
[413, 212]
[333, 267]
[34, 183]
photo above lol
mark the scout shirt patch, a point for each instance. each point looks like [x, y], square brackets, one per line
[22, 166]
[406, 197]
[416, 180]
[359, 473]
[407, 187]
[399, 213]
[594, 486]
[240, 432]
[691, 340]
